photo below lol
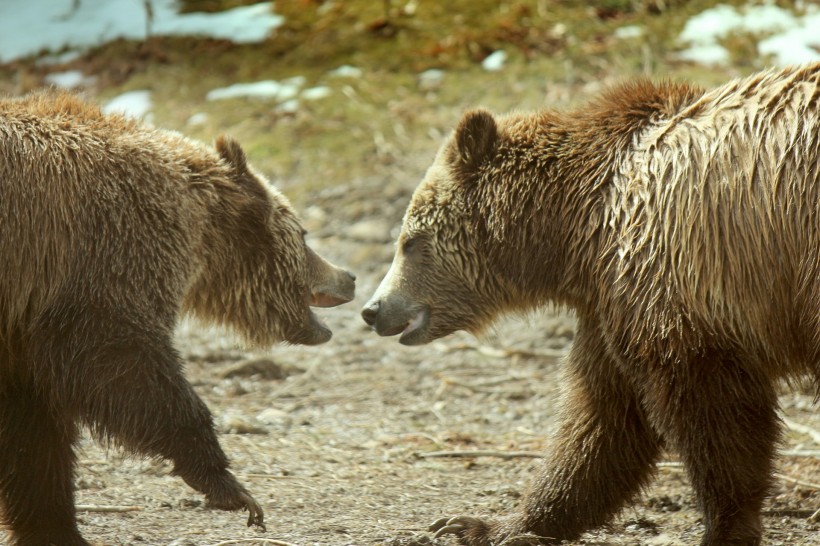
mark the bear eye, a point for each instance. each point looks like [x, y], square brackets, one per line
[409, 244]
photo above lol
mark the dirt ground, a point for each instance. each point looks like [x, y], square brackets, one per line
[362, 440]
[345, 443]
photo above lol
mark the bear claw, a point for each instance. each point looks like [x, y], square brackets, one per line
[467, 528]
[256, 518]
[453, 525]
[474, 531]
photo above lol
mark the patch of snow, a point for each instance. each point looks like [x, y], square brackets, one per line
[200, 118]
[800, 44]
[494, 61]
[265, 89]
[346, 71]
[33, 26]
[793, 39]
[289, 106]
[630, 31]
[135, 104]
[709, 54]
[69, 79]
[59, 58]
[245, 24]
[707, 26]
[431, 78]
[316, 93]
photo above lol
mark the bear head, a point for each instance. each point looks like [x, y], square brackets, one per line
[258, 275]
[442, 278]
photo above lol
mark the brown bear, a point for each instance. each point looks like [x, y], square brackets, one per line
[109, 230]
[683, 227]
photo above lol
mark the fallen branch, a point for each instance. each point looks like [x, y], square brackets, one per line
[271, 476]
[796, 481]
[494, 352]
[808, 453]
[814, 518]
[789, 513]
[260, 540]
[803, 429]
[482, 453]
[101, 508]
[481, 388]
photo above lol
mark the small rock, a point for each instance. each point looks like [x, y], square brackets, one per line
[190, 503]
[346, 71]
[494, 61]
[235, 424]
[275, 417]
[265, 368]
[430, 80]
[182, 542]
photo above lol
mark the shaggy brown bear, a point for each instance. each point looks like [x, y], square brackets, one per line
[683, 227]
[109, 230]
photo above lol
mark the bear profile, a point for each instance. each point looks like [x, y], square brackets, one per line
[683, 228]
[109, 231]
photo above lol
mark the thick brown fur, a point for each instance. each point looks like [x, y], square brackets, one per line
[683, 227]
[109, 230]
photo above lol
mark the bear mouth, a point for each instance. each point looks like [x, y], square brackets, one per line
[314, 332]
[414, 332]
[321, 299]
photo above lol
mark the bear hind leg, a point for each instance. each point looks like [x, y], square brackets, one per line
[722, 417]
[36, 469]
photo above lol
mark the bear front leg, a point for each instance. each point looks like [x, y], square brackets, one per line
[36, 468]
[721, 415]
[130, 387]
[602, 455]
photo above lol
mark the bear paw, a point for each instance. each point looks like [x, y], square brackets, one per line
[241, 500]
[473, 531]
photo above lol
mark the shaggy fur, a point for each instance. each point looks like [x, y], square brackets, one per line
[108, 231]
[683, 227]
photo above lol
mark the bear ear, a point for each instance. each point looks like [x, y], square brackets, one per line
[476, 138]
[233, 154]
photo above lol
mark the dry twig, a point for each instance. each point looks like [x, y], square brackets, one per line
[808, 453]
[102, 508]
[494, 352]
[259, 540]
[803, 429]
[482, 453]
[796, 481]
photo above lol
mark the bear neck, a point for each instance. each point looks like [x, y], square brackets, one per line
[546, 215]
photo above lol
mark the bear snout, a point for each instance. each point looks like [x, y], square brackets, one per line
[340, 289]
[390, 318]
[370, 312]
[330, 285]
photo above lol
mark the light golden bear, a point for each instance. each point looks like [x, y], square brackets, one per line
[683, 227]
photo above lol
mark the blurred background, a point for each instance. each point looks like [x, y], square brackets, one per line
[323, 93]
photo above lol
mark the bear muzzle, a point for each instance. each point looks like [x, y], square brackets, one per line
[341, 291]
[411, 321]
[330, 285]
[313, 332]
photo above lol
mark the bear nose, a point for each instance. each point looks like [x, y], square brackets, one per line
[351, 275]
[370, 312]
